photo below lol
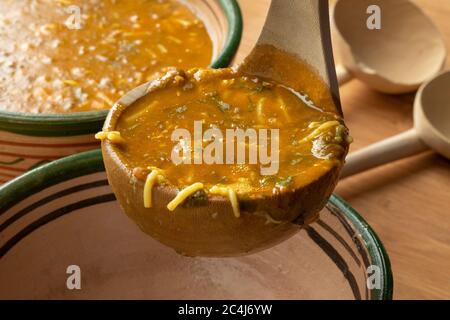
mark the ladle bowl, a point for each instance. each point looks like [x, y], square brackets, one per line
[406, 51]
[431, 131]
[212, 229]
[432, 114]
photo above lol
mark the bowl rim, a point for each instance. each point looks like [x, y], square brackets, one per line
[80, 123]
[90, 162]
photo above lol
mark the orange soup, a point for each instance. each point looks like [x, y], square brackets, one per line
[62, 56]
[225, 131]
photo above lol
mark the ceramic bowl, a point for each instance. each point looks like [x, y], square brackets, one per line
[29, 140]
[64, 214]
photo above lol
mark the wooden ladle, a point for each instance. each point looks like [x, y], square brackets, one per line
[299, 32]
[431, 131]
[407, 51]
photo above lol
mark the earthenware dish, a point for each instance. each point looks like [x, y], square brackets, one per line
[28, 140]
[65, 214]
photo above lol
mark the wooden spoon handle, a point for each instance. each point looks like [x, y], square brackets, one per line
[302, 28]
[400, 146]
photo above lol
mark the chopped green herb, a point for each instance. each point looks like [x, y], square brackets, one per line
[242, 85]
[295, 162]
[284, 182]
[251, 104]
[199, 198]
[265, 86]
[181, 109]
[267, 180]
[163, 156]
[222, 105]
[212, 94]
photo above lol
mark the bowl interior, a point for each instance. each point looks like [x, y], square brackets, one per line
[65, 214]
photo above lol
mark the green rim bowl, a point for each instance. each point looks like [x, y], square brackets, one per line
[28, 140]
[63, 216]
[90, 122]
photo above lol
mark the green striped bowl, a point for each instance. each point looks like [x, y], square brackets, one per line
[29, 140]
[64, 215]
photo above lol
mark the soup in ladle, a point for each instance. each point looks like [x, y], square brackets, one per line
[217, 162]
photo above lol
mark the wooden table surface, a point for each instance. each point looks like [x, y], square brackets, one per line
[406, 202]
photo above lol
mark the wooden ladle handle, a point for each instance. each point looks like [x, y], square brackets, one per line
[400, 146]
[301, 28]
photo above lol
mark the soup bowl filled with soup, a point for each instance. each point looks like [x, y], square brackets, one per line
[64, 63]
[222, 163]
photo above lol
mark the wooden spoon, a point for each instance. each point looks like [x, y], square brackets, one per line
[195, 231]
[301, 29]
[407, 51]
[431, 131]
